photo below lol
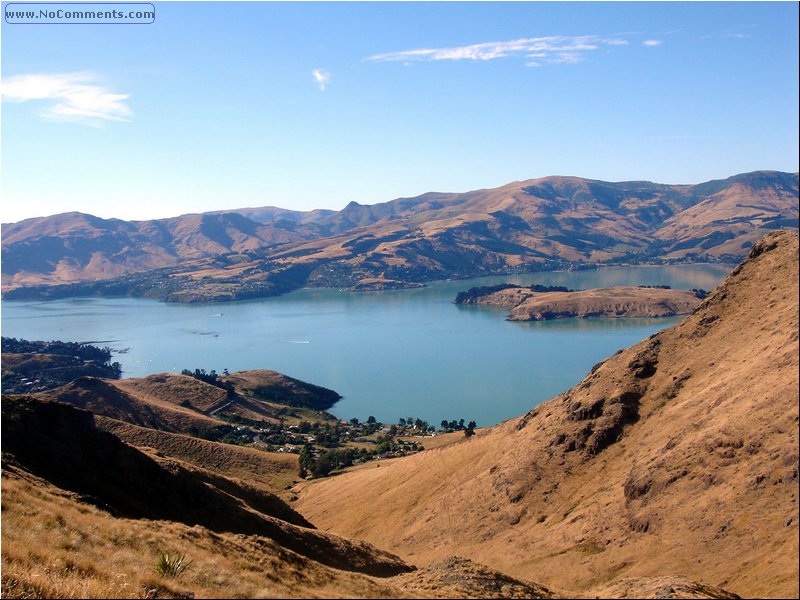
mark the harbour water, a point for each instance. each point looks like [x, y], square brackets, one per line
[404, 353]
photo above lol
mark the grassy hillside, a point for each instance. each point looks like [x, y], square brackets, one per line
[677, 456]
[62, 445]
[268, 471]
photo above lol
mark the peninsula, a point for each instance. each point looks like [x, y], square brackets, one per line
[529, 304]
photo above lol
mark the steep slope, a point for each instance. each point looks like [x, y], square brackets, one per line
[677, 456]
[527, 225]
[62, 445]
[268, 471]
[85, 515]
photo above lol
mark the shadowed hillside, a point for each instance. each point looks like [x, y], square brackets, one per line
[675, 457]
[62, 445]
[269, 471]
[85, 515]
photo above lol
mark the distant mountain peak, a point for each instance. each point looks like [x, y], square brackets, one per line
[545, 223]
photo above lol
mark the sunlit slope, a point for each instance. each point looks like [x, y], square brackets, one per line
[677, 456]
[181, 403]
[550, 222]
[85, 515]
[267, 471]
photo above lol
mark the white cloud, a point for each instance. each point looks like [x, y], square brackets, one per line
[549, 49]
[73, 96]
[653, 42]
[322, 78]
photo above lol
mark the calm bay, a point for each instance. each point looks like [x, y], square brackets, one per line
[405, 353]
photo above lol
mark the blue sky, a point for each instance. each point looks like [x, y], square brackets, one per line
[313, 105]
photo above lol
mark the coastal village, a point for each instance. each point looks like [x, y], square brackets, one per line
[330, 444]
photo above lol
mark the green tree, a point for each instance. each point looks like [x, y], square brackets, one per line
[307, 462]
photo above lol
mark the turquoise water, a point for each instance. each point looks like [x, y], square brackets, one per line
[390, 354]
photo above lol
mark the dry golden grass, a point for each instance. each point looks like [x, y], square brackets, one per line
[270, 471]
[623, 301]
[134, 401]
[53, 546]
[172, 389]
[56, 547]
[723, 212]
[701, 482]
[441, 440]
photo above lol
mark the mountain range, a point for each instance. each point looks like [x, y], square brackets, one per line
[546, 223]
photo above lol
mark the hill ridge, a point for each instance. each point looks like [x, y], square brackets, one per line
[534, 224]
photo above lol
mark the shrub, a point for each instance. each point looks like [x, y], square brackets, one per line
[171, 566]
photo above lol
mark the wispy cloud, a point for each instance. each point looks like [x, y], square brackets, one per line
[537, 51]
[73, 97]
[653, 42]
[322, 78]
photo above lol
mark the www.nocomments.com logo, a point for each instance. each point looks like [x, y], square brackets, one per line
[79, 13]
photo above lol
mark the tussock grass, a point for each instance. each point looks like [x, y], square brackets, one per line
[55, 547]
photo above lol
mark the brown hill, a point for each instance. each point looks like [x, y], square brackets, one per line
[677, 456]
[184, 404]
[56, 546]
[136, 402]
[174, 390]
[542, 223]
[73, 247]
[733, 217]
[269, 471]
[623, 301]
[276, 388]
